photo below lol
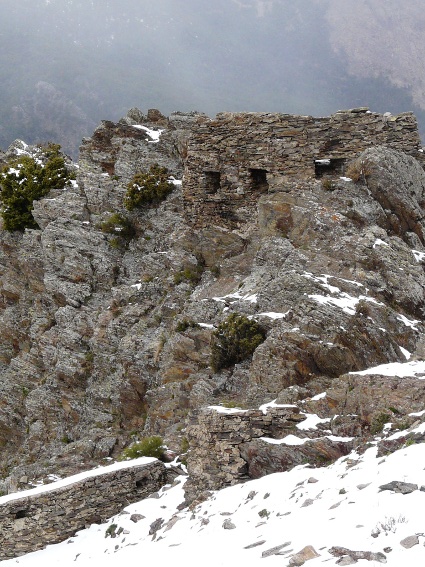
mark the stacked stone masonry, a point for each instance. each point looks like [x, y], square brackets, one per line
[234, 158]
[29, 523]
[215, 439]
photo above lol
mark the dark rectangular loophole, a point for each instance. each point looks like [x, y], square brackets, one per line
[259, 179]
[331, 166]
[21, 514]
[212, 181]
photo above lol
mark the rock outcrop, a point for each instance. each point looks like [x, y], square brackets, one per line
[106, 339]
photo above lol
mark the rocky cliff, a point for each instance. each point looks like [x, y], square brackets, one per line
[105, 338]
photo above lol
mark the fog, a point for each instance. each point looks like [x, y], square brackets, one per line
[67, 64]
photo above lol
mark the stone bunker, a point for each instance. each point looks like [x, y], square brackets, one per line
[235, 157]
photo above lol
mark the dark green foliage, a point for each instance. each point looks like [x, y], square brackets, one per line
[379, 421]
[147, 447]
[182, 326]
[148, 187]
[27, 179]
[235, 340]
[118, 225]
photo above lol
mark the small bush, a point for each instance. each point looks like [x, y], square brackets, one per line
[110, 531]
[149, 187]
[235, 340]
[147, 447]
[379, 421]
[118, 225]
[27, 179]
[182, 326]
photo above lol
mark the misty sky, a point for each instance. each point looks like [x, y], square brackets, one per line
[67, 64]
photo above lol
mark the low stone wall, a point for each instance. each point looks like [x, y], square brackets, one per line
[35, 518]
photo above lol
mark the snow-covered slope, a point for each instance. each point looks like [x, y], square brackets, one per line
[341, 506]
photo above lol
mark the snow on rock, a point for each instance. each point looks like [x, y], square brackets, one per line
[154, 135]
[419, 256]
[379, 242]
[405, 352]
[273, 315]
[342, 512]
[265, 407]
[252, 298]
[414, 368]
[311, 422]
[76, 478]
[318, 397]
[412, 323]
[222, 409]
[345, 302]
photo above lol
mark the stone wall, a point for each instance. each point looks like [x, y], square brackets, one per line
[29, 521]
[236, 157]
[215, 439]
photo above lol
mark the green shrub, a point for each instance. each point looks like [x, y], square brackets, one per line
[118, 225]
[27, 179]
[379, 421]
[182, 326]
[184, 447]
[148, 187]
[147, 447]
[235, 340]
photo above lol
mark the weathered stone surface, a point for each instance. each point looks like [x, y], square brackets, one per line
[409, 541]
[337, 551]
[235, 157]
[399, 487]
[228, 524]
[274, 550]
[303, 556]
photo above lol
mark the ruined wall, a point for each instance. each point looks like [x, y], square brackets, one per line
[226, 446]
[31, 521]
[236, 157]
[215, 438]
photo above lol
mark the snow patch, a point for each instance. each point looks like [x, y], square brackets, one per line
[154, 135]
[415, 368]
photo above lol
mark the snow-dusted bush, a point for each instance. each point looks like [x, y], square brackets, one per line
[26, 179]
[148, 187]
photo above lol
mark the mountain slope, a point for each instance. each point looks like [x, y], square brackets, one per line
[340, 510]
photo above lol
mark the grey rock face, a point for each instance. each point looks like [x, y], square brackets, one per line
[105, 340]
[399, 487]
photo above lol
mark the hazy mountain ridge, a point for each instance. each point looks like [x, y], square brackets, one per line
[102, 58]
